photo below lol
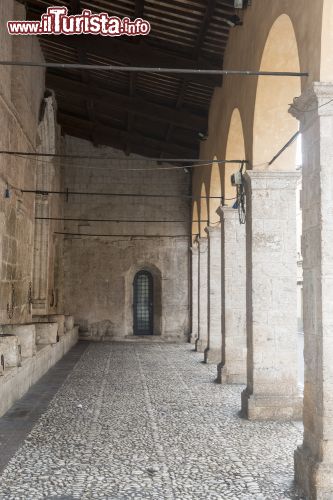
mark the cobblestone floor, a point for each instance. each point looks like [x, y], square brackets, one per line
[146, 421]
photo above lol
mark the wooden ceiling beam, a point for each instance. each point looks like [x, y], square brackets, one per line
[139, 8]
[114, 100]
[142, 54]
[107, 135]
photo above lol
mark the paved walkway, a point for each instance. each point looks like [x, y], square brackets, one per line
[146, 421]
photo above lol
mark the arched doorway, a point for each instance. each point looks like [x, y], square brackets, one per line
[143, 304]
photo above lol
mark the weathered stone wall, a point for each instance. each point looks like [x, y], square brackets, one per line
[23, 128]
[99, 270]
[21, 91]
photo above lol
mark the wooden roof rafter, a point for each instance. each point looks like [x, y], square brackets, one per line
[188, 34]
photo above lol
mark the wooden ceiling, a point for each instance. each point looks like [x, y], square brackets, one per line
[156, 115]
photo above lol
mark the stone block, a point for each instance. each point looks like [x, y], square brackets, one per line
[69, 323]
[46, 333]
[11, 348]
[26, 335]
[60, 319]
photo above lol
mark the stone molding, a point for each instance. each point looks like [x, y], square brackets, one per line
[213, 231]
[272, 179]
[314, 99]
[203, 242]
[227, 213]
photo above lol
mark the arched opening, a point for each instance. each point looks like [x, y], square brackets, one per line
[143, 303]
[235, 151]
[273, 125]
[195, 221]
[203, 211]
[143, 278]
[215, 192]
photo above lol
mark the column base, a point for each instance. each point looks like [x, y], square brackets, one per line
[314, 478]
[271, 407]
[200, 345]
[226, 377]
[212, 355]
[193, 338]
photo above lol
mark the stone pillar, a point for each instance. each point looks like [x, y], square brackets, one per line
[202, 340]
[195, 291]
[314, 459]
[272, 389]
[214, 345]
[232, 369]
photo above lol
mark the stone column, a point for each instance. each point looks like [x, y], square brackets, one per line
[202, 340]
[214, 345]
[314, 459]
[272, 389]
[195, 291]
[232, 369]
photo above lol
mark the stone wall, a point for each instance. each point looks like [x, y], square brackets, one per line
[28, 257]
[99, 270]
[21, 92]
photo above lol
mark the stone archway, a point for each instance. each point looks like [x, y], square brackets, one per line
[273, 126]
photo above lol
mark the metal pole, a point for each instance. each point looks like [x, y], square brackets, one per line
[80, 157]
[289, 143]
[131, 69]
[117, 220]
[130, 195]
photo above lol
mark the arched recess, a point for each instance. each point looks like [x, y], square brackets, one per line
[273, 125]
[204, 210]
[235, 151]
[195, 220]
[157, 296]
[215, 191]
